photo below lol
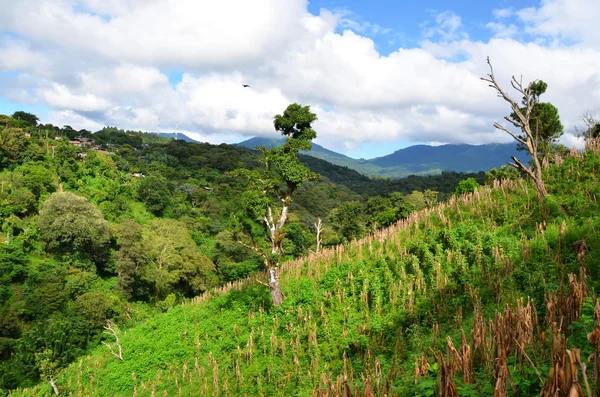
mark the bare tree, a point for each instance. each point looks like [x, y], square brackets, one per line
[111, 331]
[522, 121]
[319, 229]
[591, 121]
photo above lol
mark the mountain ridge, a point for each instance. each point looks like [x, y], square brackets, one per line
[412, 160]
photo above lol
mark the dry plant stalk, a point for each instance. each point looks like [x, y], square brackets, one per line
[421, 367]
[594, 339]
[446, 386]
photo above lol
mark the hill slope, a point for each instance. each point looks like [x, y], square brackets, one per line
[414, 160]
[367, 318]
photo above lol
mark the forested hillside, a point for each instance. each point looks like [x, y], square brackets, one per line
[491, 293]
[122, 225]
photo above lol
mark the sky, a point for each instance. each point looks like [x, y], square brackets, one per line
[380, 75]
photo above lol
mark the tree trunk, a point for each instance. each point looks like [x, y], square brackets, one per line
[319, 230]
[538, 180]
[276, 295]
[54, 387]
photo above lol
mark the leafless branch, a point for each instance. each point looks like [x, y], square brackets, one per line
[111, 331]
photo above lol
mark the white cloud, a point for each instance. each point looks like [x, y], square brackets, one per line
[106, 62]
[503, 12]
[574, 20]
[192, 34]
[502, 30]
[448, 27]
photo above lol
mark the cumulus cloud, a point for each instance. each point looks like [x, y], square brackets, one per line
[108, 62]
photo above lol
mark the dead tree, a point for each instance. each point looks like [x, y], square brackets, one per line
[319, 229]
[591, 120]
[111, 331]
[522, 121]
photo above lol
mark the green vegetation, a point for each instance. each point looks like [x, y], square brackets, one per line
[122, 225]
[430, 306]
[145, 269]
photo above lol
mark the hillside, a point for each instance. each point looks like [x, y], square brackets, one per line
[414, 160]
[121, 225]
[482, 295]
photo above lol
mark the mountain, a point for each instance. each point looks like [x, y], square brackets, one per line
[319, 152]
[413, 160]
[180, 136]
[420, 159]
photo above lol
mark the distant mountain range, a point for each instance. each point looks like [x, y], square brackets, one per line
[413, 160]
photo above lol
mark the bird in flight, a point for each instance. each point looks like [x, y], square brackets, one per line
[245, 85]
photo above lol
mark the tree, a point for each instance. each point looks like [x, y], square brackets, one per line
[155, 193]
[13, 145]
[501, 173]
[71, 223]
[522, 120]
[466, 186]
[347, 220]
[591, 129]
[174, 259]
[545, 122]
[31, 119]
[267, 200]
[48, 365]
[130, 258]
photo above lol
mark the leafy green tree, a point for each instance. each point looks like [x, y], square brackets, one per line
[31, 119]
[544, 120]
[298, 239]
[37, 178]
[347, 220]
[48, 365]
[268, 198]
[501, 173]
[131, 259]
[95, 308]
[416, 200]
[467, 186]
[155, 193]
[232, 260]
[70, 223]
[13, 146]
[174, 259]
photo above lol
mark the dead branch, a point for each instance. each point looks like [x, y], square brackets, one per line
[319, 229]
[521, 120]
[111, 331]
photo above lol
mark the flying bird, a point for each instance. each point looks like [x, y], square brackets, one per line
[245, 85]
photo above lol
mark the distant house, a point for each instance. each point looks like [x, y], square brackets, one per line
[58, 138]
[28, 135]
[75, 143]
[206, 188]
[137, 175]
[82, 155]
[83, 141]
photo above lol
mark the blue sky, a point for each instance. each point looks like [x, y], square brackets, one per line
[407, 74]
[407, 20]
